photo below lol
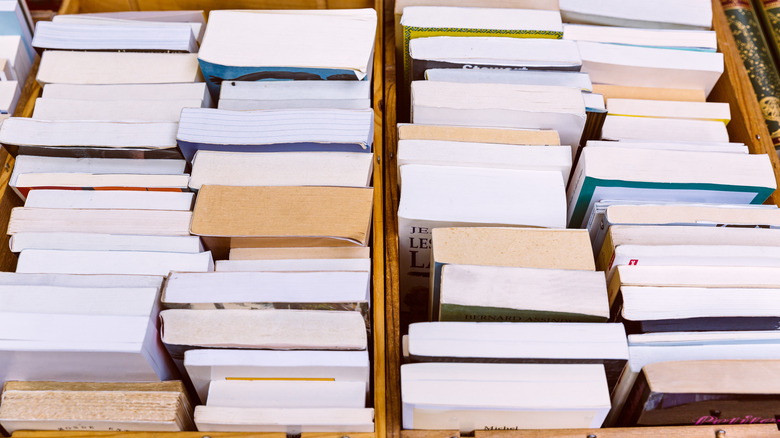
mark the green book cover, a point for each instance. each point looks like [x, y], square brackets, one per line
[768, 11]
[755, 54]
[596, 189]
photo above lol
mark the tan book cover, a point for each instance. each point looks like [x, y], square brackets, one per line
[518, 247]
[152, 406]
[531, 137]
[359, 252]
[514, 247]
[284, 216]
[649, 93]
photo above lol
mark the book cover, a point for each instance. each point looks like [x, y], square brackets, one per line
[655, 401]
[756, 56]
[412, 32]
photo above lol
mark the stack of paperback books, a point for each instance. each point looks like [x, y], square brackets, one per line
[277, 339]
[280, 195]
[475, 79]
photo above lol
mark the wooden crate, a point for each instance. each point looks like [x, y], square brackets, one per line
[10, 199]
[746, 126]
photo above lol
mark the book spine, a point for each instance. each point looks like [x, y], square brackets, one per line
[754, 51]
[414, 250]
[768, 11]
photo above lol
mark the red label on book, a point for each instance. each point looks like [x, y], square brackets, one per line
[735, 4]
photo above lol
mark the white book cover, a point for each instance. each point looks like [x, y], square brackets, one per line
[207, 365]
[287, 393]
[290, 421]
[104, 242]
[111, 262]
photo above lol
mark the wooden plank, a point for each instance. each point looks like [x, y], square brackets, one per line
[337, 435]
[392, 315]
[718, 431]
[430, 434]
[747, 124]
[101, 434]
[379, 325]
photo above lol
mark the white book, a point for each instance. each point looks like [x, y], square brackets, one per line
[123, 301]
[174, 91]
[41, 164]
[643, 303]
[651, 129]
[12, 48]
[477, 396]
[9, 96]
[287, 393]
[292, 265]
[27, 182]
[97, 362]
[521, 294]
[110, 199]
[503, 53]
[144, 222]
[268, 329]
[151, 37]
[500, 106]
[350, 169]
[287, 130]
[699, 276]
[696, 255]
[52, 327]
[104, 242]
[446, 196]
[47, 108]
[690, 146]
[520, 77]
[292, 421]
[72, 280]
[660, 38]
[195, 19]
[341, 40]
[20, 132]
[452, 341]
[189, 289]
[65, 67]
[694, 14]
[484, 155]
[633, 66]
[608, 213]
[207, 365]
[243, 95]
[717, 111]
[112, 262]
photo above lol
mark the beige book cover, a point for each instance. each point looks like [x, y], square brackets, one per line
[281, 216]
[152, 406]
[346, 252]
[650, 93]
[476, 134]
